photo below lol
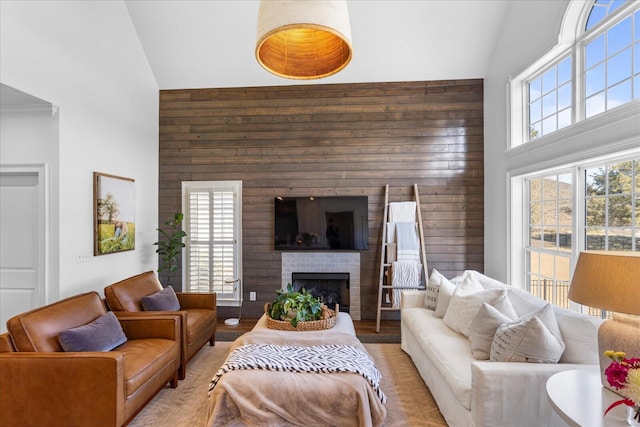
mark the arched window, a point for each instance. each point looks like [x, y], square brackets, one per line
[594, 68]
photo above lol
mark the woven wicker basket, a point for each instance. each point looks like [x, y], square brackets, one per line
[310, 325]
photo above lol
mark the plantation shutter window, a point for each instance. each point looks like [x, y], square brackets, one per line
[213, 216]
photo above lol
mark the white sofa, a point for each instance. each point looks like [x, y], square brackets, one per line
[485, 393]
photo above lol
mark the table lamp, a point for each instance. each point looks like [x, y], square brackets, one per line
[610, 280]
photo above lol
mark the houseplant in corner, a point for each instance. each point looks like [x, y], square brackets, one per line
[298, 311]
[170, 246]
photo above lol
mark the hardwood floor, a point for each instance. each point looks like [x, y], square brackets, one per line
[365, 330]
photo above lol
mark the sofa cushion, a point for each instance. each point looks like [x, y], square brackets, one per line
[533, 338]
[126, 294]
[580, 335]
[465, 303]
[485, 324]
[200, 321]
[144, 359]
[103, 334]
[165, 300]
[449, 351]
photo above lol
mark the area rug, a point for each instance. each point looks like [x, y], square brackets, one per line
[409, 402]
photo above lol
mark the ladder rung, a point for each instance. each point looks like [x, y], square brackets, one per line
[418, 288]
[389, 308]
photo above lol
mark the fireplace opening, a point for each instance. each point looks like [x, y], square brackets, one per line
[331, 288]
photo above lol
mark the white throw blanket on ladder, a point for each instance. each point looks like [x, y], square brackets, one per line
[406, 271]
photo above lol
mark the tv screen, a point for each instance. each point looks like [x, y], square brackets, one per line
[322, 223]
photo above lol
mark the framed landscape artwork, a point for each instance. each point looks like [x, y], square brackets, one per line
[114, 214]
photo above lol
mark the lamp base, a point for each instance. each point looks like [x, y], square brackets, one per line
[231, 321]
[621, 333]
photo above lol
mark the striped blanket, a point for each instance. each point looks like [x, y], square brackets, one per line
[332, 358]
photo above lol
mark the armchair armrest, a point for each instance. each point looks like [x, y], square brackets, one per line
[412, 299]
[62, 388]
[197, 300]
[514, 393]
[155, 324]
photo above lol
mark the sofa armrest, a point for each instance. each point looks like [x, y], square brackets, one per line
[514, 393]
[62, 388]
[412, 299]
[155, 324]
[197, 300]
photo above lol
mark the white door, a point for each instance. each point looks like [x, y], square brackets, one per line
[22, 240]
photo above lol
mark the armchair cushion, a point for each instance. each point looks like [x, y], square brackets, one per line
[103, 334]
[165, 300]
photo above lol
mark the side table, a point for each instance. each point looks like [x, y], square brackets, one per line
[579, 398]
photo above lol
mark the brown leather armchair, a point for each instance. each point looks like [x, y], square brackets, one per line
[197, 310]
[44, 385]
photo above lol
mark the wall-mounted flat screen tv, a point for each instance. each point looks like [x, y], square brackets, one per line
[322, 223]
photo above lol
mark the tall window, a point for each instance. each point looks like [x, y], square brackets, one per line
[550, 242]
[612, 201]
[607, 217]
[213, 217]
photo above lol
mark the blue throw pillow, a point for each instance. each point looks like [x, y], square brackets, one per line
[103, 334]
[165, 300]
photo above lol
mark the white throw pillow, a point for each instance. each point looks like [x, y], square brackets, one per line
[486, 322]
[433, 286]
[465, 303]
[444, 295]
[533, 338]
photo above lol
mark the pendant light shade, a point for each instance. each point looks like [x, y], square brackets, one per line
[303, 39]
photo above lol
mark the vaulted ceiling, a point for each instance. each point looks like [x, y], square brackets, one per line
[210, 44]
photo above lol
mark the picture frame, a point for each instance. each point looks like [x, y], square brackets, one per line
[113, 214]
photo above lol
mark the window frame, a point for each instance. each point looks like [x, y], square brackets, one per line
[234, 299]
[571, 41]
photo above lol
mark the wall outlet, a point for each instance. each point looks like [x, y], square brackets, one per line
[252, 296]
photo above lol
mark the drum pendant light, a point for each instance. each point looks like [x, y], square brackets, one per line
[303, 39]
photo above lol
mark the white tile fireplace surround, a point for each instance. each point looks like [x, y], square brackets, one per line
[326, 262]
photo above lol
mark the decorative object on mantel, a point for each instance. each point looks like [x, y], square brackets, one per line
[623, 374]
[610, 280]
[301, 39]
[298, 311]
[113, 214]
[170, 245]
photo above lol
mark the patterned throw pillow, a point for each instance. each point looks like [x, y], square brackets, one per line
[533, 338]
[433, 286]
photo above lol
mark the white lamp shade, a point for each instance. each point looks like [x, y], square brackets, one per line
[303, 39]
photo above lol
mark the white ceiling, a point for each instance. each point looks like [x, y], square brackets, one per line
[210, 44]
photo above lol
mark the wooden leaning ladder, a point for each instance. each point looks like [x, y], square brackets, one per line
[385, 267]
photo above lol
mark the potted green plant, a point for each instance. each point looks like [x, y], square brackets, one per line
[294, 306]
[170, 245]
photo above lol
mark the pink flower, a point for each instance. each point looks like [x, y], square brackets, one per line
[617, 374]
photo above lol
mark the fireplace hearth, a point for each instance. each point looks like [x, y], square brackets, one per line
[330, 288]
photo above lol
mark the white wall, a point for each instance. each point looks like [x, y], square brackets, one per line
[531, 29]
[85, 58]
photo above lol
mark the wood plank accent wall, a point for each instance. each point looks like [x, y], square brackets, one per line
[326, 140]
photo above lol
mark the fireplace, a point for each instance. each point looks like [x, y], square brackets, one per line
[330, 288]
[326, 262]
